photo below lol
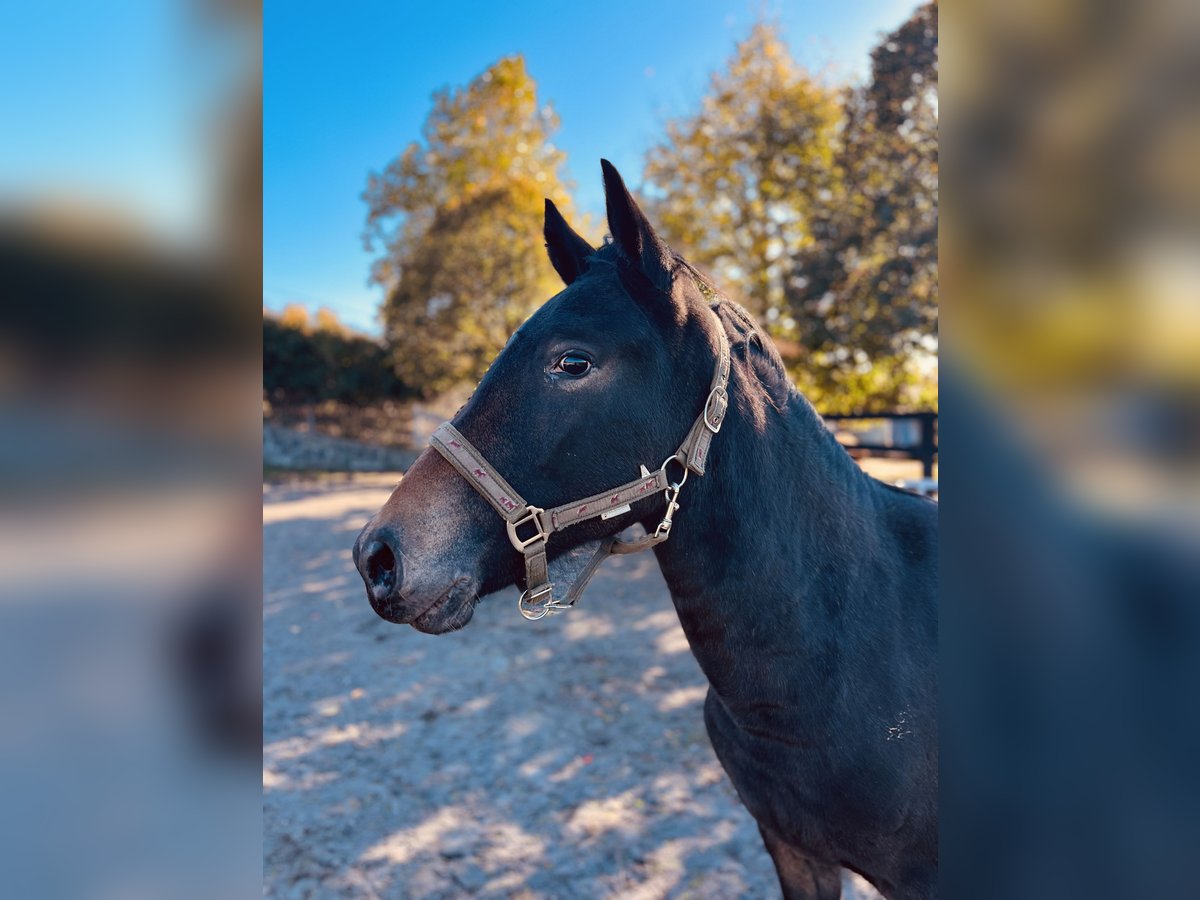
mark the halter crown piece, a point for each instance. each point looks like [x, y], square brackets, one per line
[538, 524]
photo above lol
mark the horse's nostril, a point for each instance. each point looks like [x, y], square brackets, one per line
[379, 568]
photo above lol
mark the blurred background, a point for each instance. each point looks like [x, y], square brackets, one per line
[130, 246]
[1070, 616]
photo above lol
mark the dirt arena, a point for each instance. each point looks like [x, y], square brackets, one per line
[560, 758]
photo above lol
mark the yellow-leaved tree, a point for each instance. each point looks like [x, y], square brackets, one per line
[816, 205]
[458, 220]
[732, 186]
[864, 290]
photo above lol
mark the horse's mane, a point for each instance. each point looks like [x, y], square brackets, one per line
[746, 339]
[745, 334]
[761, 355]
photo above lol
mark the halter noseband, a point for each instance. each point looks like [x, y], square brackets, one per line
[538, 598]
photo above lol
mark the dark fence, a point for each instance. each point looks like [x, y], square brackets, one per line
[895, 435]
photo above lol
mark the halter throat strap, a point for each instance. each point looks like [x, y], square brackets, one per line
[529, 527]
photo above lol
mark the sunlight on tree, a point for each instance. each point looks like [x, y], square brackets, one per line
[294, 316]
[731, 187]
[458, 218]
[327, 321]
[864, 291]
[816, 205]
[817, 208]
[303, 365]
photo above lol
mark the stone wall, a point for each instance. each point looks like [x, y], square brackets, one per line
[289, 448]
[382, 433]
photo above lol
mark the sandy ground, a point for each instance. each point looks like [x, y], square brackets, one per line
[561, 758]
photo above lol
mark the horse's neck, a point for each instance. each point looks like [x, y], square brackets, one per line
[759, 555]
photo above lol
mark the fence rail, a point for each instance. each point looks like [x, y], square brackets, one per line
[897, 435]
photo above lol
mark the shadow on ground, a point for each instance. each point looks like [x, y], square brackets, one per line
[561, 758]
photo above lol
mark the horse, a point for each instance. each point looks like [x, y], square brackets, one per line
[806, 589]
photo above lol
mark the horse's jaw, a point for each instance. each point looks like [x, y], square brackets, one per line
[571, 566]
[454, 609]
[434, 610]
[450, 612]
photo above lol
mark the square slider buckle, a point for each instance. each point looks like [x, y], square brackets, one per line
[533, 516]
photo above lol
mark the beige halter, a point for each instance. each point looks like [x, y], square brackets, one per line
[538, 598]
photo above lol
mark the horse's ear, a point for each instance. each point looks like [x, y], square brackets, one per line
[631, 231]
[568, 251]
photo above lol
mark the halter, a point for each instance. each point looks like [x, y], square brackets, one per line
[538, 598]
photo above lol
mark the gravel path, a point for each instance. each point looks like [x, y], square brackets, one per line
[561, 758]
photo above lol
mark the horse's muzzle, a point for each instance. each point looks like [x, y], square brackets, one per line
[433, 609]
[377, 557]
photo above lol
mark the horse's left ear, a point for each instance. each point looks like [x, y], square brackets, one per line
[568, 251]
[632, 232]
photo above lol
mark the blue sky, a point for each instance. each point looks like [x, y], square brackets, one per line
[348, 86]
[113, 106]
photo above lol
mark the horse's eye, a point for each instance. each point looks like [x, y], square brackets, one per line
[574, 363]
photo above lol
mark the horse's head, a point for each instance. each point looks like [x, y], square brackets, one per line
[606, 376]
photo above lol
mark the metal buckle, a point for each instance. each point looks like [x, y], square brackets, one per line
[527, 603]
[663, 531]
[715, 392]
[532, 514]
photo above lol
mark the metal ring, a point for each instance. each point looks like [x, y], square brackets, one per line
[683, 465]
[534, 613]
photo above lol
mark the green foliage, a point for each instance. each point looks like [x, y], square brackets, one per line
[864, 292]
[816, 205]
[458, 219]
[306, 365]
[818, 208]
[733, 185]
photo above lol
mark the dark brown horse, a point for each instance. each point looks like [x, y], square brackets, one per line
[806, 589]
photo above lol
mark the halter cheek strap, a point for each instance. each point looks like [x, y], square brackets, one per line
[529, 527]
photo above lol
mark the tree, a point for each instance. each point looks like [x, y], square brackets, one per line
[864, 291]
[328, 321]
[293, 370]
[818, 208]
[458, 218]
[294, 316]
[732, 186]
[303, 365]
